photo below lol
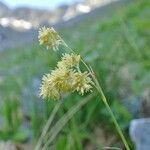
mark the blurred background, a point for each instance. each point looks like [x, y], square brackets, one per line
[112, 36]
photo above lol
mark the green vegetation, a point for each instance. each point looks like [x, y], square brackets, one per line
[115, 46]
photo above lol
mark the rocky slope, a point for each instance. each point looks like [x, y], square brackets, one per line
[21, 23]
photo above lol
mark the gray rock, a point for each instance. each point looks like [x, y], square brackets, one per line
[7, 145]
[133, 105]
[140, 133]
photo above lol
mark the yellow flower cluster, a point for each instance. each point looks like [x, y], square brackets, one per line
[49, 37]
[67, 77]
[69, 61]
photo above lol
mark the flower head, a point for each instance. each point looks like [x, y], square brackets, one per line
[49, 37]
[57, 83]
[67, 77]
[48, 88]
[62, 78]
[69, 61]
[82, 82]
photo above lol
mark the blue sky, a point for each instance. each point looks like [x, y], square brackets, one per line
[38, 3]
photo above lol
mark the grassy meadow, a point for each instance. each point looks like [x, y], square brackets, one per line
[115, 45]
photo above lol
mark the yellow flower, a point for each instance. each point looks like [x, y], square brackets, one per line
[48, 88]
[82, 82]
[57, 83]
[69, 61]
[67, 77]
[49, 37]
[62, 78]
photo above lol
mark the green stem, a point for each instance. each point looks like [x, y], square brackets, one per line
[111, 113]
[81, 58]
[55, 130]
[48, 123]
[98, 87]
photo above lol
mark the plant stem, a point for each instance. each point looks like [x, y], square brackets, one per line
[113, 148]
[46, 127]
[111, 113]
[55, 130]
[98, 87]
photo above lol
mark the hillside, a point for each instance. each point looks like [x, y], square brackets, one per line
[14, 28]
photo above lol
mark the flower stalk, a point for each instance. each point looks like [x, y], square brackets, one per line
[99, 89]
[48, 124]
[69, 78]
